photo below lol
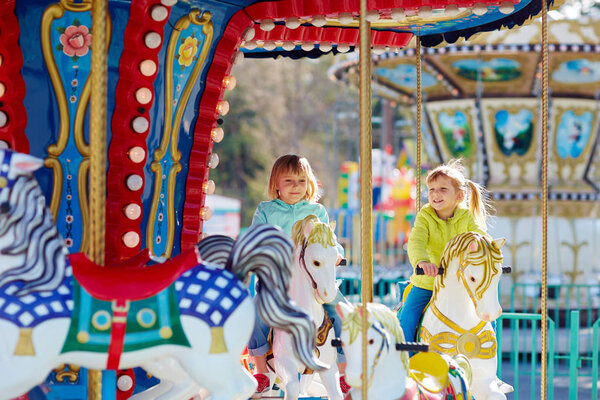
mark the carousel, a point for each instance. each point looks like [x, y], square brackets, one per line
[109, 116]
[480, 103]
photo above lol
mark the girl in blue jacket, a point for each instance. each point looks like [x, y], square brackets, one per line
[294, 195]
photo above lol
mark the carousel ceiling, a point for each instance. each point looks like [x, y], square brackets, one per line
[495, 64]
[481, 103]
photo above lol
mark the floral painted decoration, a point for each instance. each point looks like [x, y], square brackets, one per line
[75, 40]
[187, 51]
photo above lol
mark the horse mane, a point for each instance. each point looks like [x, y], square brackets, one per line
[321, 233]
[352, 323]
[36, 239]
[487, 255]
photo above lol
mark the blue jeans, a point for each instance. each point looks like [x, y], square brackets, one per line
[411, 312]
[259, 345]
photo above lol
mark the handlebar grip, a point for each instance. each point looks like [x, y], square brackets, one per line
[420, 271]
[412, 346]
[343, 262]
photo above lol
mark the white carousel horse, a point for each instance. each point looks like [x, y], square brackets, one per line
[179, 320]
[391, 375]
[313, 284]
[464, 302]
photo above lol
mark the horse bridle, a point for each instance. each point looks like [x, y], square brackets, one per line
[303, 265]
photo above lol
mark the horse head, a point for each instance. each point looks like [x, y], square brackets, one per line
[31, 251]
[316, 256]
[473, 264]
[382, 335]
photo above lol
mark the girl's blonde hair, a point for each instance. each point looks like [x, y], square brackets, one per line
[473, 193]
[293, 164]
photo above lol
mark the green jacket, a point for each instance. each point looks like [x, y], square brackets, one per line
[429, 236]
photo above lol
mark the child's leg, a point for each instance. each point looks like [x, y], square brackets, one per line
[259, 345]
[337, 328]
[413, 307]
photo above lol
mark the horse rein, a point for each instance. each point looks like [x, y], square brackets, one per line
[303, 264]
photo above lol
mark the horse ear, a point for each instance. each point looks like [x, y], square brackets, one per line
[25, 164]
[498, 243]
[473, 246]
[308, 228]
[332, 225]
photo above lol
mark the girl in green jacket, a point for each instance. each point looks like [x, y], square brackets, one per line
[445, 216]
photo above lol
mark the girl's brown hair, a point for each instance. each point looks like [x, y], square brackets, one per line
[294, 164]
[473, 193]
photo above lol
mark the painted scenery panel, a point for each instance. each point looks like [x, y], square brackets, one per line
[456, 133]
[513, 131]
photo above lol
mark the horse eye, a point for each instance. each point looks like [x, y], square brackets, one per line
[472, 279]
[316, 263]
[4, 207]
[371, 341]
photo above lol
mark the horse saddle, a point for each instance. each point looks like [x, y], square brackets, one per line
[430, 372]
[131, 280]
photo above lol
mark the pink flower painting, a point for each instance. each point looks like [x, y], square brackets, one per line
[76, 41]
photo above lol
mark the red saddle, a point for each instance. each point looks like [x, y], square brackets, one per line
[132, 279]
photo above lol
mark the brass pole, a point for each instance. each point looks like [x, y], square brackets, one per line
[544, 196]
[97, 180]
[419, 112]
[366, 192]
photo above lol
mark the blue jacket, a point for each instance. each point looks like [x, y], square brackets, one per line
[279, 213]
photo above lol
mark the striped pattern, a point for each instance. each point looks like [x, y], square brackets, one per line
[215, 249]
[30, 225]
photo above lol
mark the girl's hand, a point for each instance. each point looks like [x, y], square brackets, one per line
[339, 259]
[430, 269]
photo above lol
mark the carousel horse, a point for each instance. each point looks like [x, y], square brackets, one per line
[185, 321]
[391, 375]
[313, 284]
[464, 302]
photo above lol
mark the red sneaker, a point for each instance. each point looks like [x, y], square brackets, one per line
[264, 383]
[345, 387]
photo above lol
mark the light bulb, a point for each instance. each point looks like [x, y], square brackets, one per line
[206, 212]
[479, 9]
[251, 45]
[223, 107]
[132, 211]
[398, 14]
[3, 119]
[288, 46]
[143, 95]
[159, 13]
[213, 160]
[325, 47]
[136, 154]
[343, 47]
[318, 21]
[292, 22]
[269, 45]
[140, 124]
[208, 187]
[425, 12]
[372, 16]
[134, 182]
[229, 82]
[152, 40]
[506, 7]
[131, 239]
[147, 67]
[379, 50]
[451, 10]
[124, 383]
[307, 46]
[2, 89]
[4, 144]
[345, 18]
[249, 34]
[168, 3]
[267, 24]
[217, 134]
